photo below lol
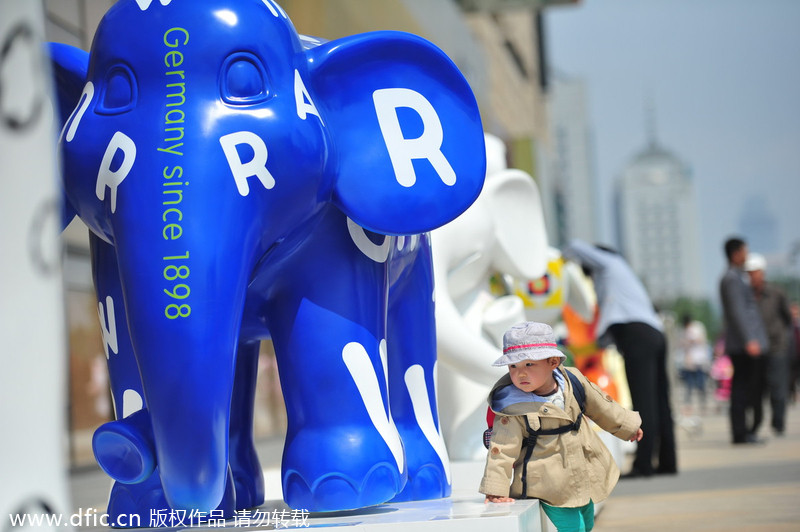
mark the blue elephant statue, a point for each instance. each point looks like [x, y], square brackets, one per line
[240, 182]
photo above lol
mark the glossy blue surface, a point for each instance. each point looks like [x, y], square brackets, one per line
[234, 178]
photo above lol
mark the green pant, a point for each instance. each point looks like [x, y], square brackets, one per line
[579, 519]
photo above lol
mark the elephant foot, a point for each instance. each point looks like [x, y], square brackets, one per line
[340, 470]
[125, 450]
[249, 484]
[143, 505]
[137, 505]
[428, 465]
[428, 461]
[337, 491]
[427, 482]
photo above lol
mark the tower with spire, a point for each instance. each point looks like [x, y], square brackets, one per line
[657, 219]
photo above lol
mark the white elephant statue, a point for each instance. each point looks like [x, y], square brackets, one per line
[33, 483]
[501, 234]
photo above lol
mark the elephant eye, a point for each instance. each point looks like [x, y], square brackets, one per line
[244, 80]
[119, 91]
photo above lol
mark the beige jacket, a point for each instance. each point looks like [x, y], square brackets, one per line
[568, 469]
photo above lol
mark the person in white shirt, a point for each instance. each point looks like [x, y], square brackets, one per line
[629, 320]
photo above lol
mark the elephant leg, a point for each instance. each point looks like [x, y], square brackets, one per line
[247, 474]
[125, 448]
[342, 448]
[412, 372]
[133, 435]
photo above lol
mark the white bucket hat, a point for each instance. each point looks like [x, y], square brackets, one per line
[528, 341]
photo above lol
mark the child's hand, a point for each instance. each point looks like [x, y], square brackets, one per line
[497, 498]
[637, 436]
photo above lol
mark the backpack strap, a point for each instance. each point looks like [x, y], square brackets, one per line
[577, 389]
[580, 395]
[528, 444]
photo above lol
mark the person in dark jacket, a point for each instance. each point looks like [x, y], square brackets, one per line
[777, 319]
[745, 342]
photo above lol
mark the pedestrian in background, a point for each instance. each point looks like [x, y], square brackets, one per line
[695, 362]
[777, 319]
[745, 342]
[794, 351]
[722, 375]
[629, 320]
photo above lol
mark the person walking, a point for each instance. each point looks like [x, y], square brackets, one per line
[794, 352]
[774, 307]
[629, 320]
[695, 362]
[745, 342]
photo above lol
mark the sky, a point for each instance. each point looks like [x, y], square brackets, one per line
[724, 78]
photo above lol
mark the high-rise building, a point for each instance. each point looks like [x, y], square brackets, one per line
[657, 223]
[568, 185]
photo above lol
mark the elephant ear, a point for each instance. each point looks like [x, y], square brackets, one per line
[516, 210]
[70, 67]
[407, 149]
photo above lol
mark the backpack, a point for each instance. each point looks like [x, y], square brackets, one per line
[580, 395]
[530, 441]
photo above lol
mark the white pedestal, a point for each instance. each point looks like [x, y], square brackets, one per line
[463, 511]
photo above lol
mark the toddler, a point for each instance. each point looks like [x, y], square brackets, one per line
[540, 448]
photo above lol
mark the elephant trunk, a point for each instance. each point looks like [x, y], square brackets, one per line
[184, 314]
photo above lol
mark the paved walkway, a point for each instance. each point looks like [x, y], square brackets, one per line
[720, 487]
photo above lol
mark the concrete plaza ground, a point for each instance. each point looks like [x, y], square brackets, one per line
[720, 486]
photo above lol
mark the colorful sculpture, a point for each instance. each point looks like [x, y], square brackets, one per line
[238, 180]
[563, 284]
[565, 296]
